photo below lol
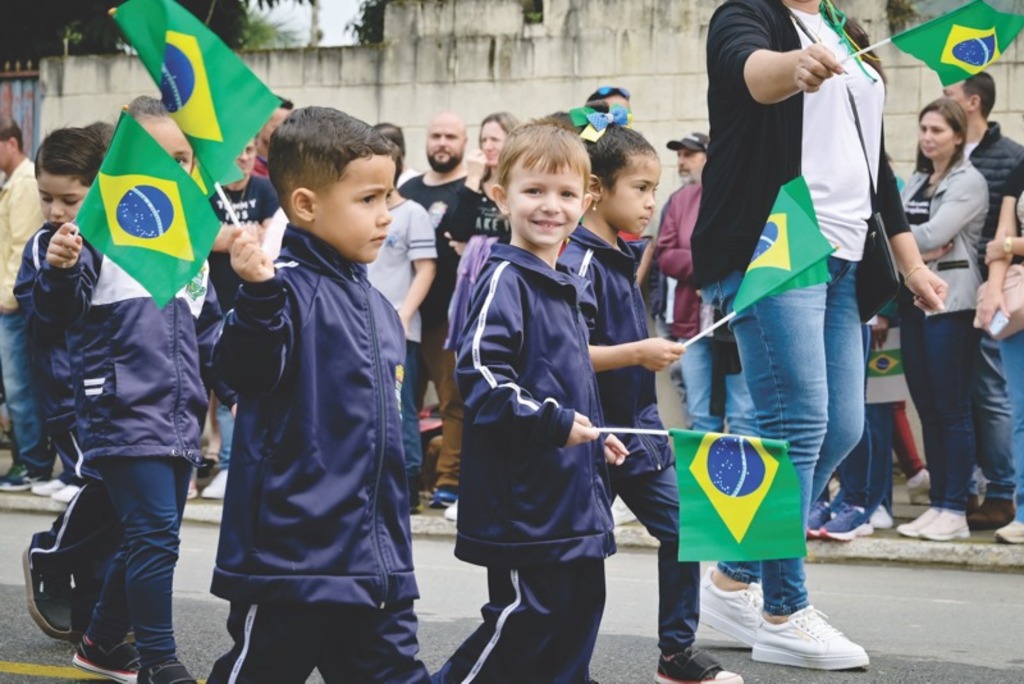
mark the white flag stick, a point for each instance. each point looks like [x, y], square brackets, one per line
[869, 48]
[707, 331]
[227, 205]
[632, 431]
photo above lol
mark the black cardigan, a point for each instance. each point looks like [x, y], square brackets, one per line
[755, 148]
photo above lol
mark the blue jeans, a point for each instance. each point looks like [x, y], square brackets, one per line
[654, 498]
[20, 391]
[803, 360]
[226, 422]
[993, 422]
[739, 407]
[410, 416]
[938, 354]
[865, 475]
[148, 495]
[1013, 363]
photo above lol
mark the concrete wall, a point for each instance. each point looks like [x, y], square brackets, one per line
[478, 56]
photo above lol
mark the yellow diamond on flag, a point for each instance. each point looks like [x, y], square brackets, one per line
[185, 88]
[736, 473]
[144, 211]
[772, 249]
[971, 49]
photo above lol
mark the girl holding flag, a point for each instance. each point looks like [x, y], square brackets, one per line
[779, 100]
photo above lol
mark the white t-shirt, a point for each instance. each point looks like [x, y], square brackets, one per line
[833, 159]
[410, 237]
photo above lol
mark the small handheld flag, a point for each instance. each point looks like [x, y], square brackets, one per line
[791, 252]
[211, 94]
[147, 215]
[961, 43]
[739, 498]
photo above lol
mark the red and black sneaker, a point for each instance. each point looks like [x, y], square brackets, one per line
[693, 666]
[119, 663]
[170, 672]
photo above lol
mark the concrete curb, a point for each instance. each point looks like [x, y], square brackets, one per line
[973, 555]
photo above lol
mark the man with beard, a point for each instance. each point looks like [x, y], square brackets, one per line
[437, 190]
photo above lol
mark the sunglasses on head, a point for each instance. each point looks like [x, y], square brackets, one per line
[605, 91]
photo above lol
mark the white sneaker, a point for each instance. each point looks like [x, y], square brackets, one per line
[881, 520]
[947, 526]
[215, 490]
[66, 493]
[913, 528]
[736, 613]
[1011, 534]
[807, 640]
[918, 487]
[452, 512]
[48, 488]
[621, 513]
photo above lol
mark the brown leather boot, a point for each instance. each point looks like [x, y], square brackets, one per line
[993, 514]
[973, 504]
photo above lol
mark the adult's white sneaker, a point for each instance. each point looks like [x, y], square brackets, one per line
[48, 488]
[880, 519]
[913, 528]
[807, 640]
[66, 494]
[736, 613]
[451, 514]
[217, 486]
[918, 487]
[1011, 534]
[947, 526]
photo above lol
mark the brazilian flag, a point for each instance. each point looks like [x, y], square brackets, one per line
[791, 252]
[739, 498]
[211, 94]
[961, 43]
[147, 215]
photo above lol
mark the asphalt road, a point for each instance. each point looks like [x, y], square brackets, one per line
[918, 624]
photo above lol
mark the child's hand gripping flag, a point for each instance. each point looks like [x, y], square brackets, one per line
[739, 498]
[147, 215]
[961, 43]
[211, 94]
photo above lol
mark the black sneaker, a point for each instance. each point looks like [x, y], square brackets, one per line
[171, 672]
[119, 663]
[49, 602]
[691, 667]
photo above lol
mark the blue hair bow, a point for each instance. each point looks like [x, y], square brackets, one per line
[597, 122]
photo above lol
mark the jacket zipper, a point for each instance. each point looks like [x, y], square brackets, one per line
[175, 335]
[381, 442]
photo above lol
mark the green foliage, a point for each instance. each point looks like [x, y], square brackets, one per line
[261, 33]
[900, 14]
[42, 26]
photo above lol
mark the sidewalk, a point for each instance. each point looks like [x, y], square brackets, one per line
[980, 552]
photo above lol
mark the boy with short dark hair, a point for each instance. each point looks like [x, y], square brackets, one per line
[315, 552]
[535, 499]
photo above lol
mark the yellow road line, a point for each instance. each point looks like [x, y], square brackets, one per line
[37, 670]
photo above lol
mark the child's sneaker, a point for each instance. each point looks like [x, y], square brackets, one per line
[18, 479]
[66, 494]
[171, 672]
[444, 497]
[736, 613]
[119, 663]
[48, 487]
[692, 666]
[807, 640]
[881, 519]
[451, 514]
[848, 524]
[49, 603]
[820, 514]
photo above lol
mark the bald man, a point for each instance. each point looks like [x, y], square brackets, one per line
[437, 191]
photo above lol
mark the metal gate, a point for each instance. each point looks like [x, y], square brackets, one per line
[20, 96]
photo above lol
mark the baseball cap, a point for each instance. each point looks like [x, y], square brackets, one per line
[608, 91]
[696, 142]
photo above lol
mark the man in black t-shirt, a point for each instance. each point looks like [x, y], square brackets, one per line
[437, 191]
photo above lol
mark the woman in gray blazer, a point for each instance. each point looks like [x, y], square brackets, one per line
[946, 201]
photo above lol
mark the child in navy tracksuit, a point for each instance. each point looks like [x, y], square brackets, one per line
[626, 172]
[141, 376]
[65, 565]
[315, 552]
[534, 500]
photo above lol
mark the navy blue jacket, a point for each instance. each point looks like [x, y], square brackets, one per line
[523, 369]
[618, 316]
[316, 508]
[137, 371]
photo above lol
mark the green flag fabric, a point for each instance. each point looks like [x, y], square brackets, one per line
[739, 498]
[791, 253]
[211, 94]
[961, 43]
[147, 215]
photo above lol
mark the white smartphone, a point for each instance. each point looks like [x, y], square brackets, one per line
[998, 323]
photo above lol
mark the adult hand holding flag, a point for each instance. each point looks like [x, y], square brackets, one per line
[212, 95]
[147, 215]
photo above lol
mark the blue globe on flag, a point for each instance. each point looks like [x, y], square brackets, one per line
[977, 52]
[734, 467]
[177, 80]
[769, 236]
[145, 212]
